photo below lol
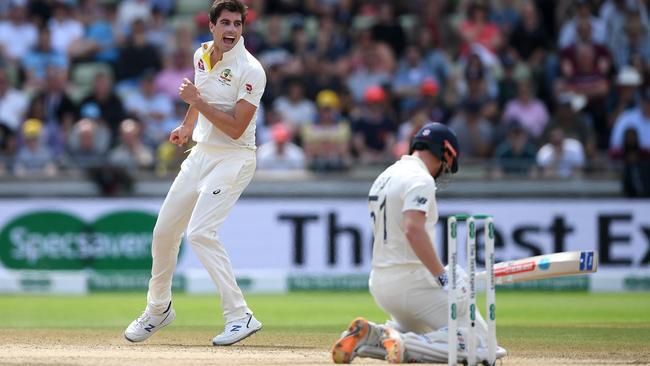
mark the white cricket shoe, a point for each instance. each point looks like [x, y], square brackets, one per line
[481, 354]
[147, 324]
[237, 330]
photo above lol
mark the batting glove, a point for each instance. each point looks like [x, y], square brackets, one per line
[442, 279]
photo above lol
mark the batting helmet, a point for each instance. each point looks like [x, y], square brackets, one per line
[441, 141]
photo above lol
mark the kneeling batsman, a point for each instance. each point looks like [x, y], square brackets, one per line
[407, 280]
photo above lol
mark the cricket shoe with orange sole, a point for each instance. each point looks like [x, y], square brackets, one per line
[361, 339]
[392, 342]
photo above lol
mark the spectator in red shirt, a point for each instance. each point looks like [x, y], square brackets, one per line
[585, 67]
[477, 29]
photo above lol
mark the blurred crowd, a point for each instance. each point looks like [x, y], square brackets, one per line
[532, 87]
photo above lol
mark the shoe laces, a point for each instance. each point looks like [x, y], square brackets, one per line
[144, 318]
[228, 326]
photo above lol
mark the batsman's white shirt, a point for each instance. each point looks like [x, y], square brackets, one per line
[238, 75]
[210, 182]
[406, 185]
[400, 284]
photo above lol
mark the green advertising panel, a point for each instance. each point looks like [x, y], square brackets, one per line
[51, 240]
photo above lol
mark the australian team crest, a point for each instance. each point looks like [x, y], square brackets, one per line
[226, 76]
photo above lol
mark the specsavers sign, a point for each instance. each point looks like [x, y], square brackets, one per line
[308, 236]
[54, 239]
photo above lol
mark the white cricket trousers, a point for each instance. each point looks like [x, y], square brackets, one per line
[209, 183]
[415, 300]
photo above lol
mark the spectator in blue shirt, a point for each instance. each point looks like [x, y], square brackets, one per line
[42, 56]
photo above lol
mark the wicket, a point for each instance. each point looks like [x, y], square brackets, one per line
[452, 261]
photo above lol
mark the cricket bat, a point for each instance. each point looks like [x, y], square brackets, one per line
[544, 266]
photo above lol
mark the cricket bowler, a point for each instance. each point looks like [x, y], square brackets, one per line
[228, 85]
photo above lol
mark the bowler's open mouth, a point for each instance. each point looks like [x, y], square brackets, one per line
[228, 40]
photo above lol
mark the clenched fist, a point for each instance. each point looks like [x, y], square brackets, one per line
[180, 135]
[189, 92]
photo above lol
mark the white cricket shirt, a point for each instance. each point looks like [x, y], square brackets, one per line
[238, 75]
[405, 185]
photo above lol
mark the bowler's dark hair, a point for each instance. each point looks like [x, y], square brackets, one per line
[234, 6]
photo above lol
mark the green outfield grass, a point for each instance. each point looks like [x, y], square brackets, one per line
[529, 323]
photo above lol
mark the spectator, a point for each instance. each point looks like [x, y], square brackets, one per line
[7, 148]
[131, 153]
[632, 47]
[569, 34]
[574, 124]
[110, 105]
[169, 158]
[298, 43]
[131, 11]
[530, 40]
[435, 57]
[636, 166]
[561, 157]
[477, 29]
[331, 44]
[153, 109]
[626, 94]
[506, 14]
[321, 75]
[408, 78]
[88, 144]
[100, 39]
[327, 141]
[5, 7]
[372, 64]
[178, 66]
[408, 129]
[475, 133]
[64, 28]
[637, 119]
[58, 111]
[201, 24]
[527, 110]
[273, 50]
[13, 103]
[507, 84]
[17, 34]
[294, 108]
[165, 7]
[374, 131]
[515, 155]
[279, 154]
[34, 158]
[37, 60]
[347, 48]
[479, 87]
[430, 100]
[365, 47]
[275, 85]
[613, 13]
[138, 55]
[585, 69]
[159, 33]
[388, 29]
[183, 39]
